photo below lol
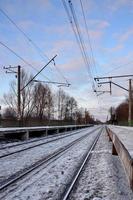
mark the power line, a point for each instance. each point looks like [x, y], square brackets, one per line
[120, 86]
[60, 73]
[73, 28]
[73, 19]
[87, 31]
[88, 35]
[52, 82]
[21, 58]
[39, 50]
[118, 67]
[25, 35]
[91, 49]
[87, 60]
[79, 34]
[82, 42]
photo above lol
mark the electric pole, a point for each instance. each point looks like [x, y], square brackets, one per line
[130, 103]
[110, 82]
[10, 70]
[59, 104]
[19, 93]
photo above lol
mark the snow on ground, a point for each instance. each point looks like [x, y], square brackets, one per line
[49, 182]
[103, 177]
[30, 143]
[3, 144]
[16, 162]
[125, 134]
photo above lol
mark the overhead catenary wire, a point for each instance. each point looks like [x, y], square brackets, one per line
[73, 20]
[118, 67]
[53, 82]
[79, 35]
[25, 35]
[81, 41]
[88, 35]
[73, 28]
[90, 45]
[70, 18]
[21, 58]
[76, 29]
[38, 49]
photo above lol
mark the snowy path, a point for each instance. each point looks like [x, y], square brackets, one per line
[14, 163]
[50, 182]
[103, 177]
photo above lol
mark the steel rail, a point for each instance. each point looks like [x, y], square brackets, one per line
[42, 138]
[40, 144]
[75, 178]
[41, 162]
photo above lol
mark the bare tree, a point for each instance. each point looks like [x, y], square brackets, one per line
[61, 99]
[50, 104]
[67, 106]
[10, 99]
[43, 101]
[70, 108]
[87, 117]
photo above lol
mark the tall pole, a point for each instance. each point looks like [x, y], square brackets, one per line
[19, 93]
[129, 91]
[130, 103]
[110, 87]
[59, 106]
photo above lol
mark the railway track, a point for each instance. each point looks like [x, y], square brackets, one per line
[73, 182]
[51, 158]
[6, 146]
[43, 141]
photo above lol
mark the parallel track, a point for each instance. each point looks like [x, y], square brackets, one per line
[36, 145]
[16, 177]
[38, 139]
[70, 187]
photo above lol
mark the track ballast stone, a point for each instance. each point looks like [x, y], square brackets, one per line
[103, 177]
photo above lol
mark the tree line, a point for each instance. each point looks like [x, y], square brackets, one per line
[119, 115]
[40, 103]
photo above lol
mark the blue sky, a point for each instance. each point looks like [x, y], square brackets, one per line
[45, 22]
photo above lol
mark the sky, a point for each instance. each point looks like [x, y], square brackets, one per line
[46, 23]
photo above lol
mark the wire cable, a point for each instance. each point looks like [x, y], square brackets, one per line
[88, 35]
[39, 50]
[79, 34]
[21, 58]
[87, 61]
[118, 67]
[73, 28]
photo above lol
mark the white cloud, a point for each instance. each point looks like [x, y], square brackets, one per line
[113, 6]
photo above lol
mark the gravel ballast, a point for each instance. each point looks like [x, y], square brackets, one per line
[103, 177]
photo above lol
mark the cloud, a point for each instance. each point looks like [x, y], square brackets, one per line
[125, 36]
[117, 48]
[29, 6]
[61, 46]
[113, 6]
[26, 24]
[73, 64]
[98, 24]
[121, 65]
